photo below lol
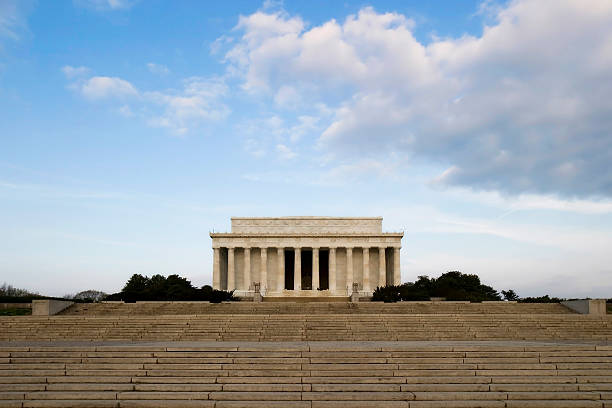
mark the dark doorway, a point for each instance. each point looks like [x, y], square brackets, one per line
[289, 265]
[306, 270]
[323, 269]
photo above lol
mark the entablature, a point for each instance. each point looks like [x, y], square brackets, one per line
[228, 240]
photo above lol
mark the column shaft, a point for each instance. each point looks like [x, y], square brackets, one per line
[349, 270]
[315, 269]
[297, 269]
[247, 268]
[332, 270]
[216, 269]
[264, 269]
[366, 269]
[382, 267]
[397, 276]
[281, 269]
[231, 273]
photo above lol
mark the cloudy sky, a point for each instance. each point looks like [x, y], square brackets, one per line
[482, 129]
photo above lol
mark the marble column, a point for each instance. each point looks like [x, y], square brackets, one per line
[231, 273]
[297, 269]
[281, 269]
[315, 269]
[382, 267]
[247, 268]
[216, 269]
[332, 270]
[366, 269]
[264, 269]
[397, 276]
[349, 270]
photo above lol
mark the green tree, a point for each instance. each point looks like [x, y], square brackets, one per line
[510, 295]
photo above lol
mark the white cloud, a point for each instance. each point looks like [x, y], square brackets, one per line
[197, 102]
[272, 4]
[522, 108]
[285, 152]
[158, 69]
[13, 19]
[75, 72]
[106, 5]
[254, 147]
[356, 171]
[529, 202]
[126, 111]
[287, 96]
[9, 19]
[102, 87]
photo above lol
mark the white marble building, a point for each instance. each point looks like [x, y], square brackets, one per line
[306, 256]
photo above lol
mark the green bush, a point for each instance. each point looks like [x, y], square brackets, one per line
[451, 286]
[541, 299]
[171, 288]
[15, 312]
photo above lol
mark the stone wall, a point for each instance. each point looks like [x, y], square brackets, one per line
[15, 306]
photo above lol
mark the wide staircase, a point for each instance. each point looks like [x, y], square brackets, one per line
[309, 375]
[192, 308]
[307, 355]
[323, 327]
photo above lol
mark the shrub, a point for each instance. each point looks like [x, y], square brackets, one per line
[387, 294]
[89, 296]
[171, 288]
[451, 285]
[510, 295]
[540, 299]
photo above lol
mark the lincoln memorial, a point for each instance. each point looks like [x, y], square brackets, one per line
[306, 256]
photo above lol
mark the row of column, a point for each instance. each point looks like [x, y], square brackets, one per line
[297, 272]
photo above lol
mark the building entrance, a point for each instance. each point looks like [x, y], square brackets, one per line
[323, 269]
[289, 266]
[306, 269]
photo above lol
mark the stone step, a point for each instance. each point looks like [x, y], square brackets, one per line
[305, 328]
[309, 374]
[193, 308]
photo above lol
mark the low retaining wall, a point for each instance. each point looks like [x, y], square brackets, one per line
[587, 306]
[48, 307]
[4, 306]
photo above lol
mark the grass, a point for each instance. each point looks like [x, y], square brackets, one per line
[15, 312]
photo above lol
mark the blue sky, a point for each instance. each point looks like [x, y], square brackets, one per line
[130, 129]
